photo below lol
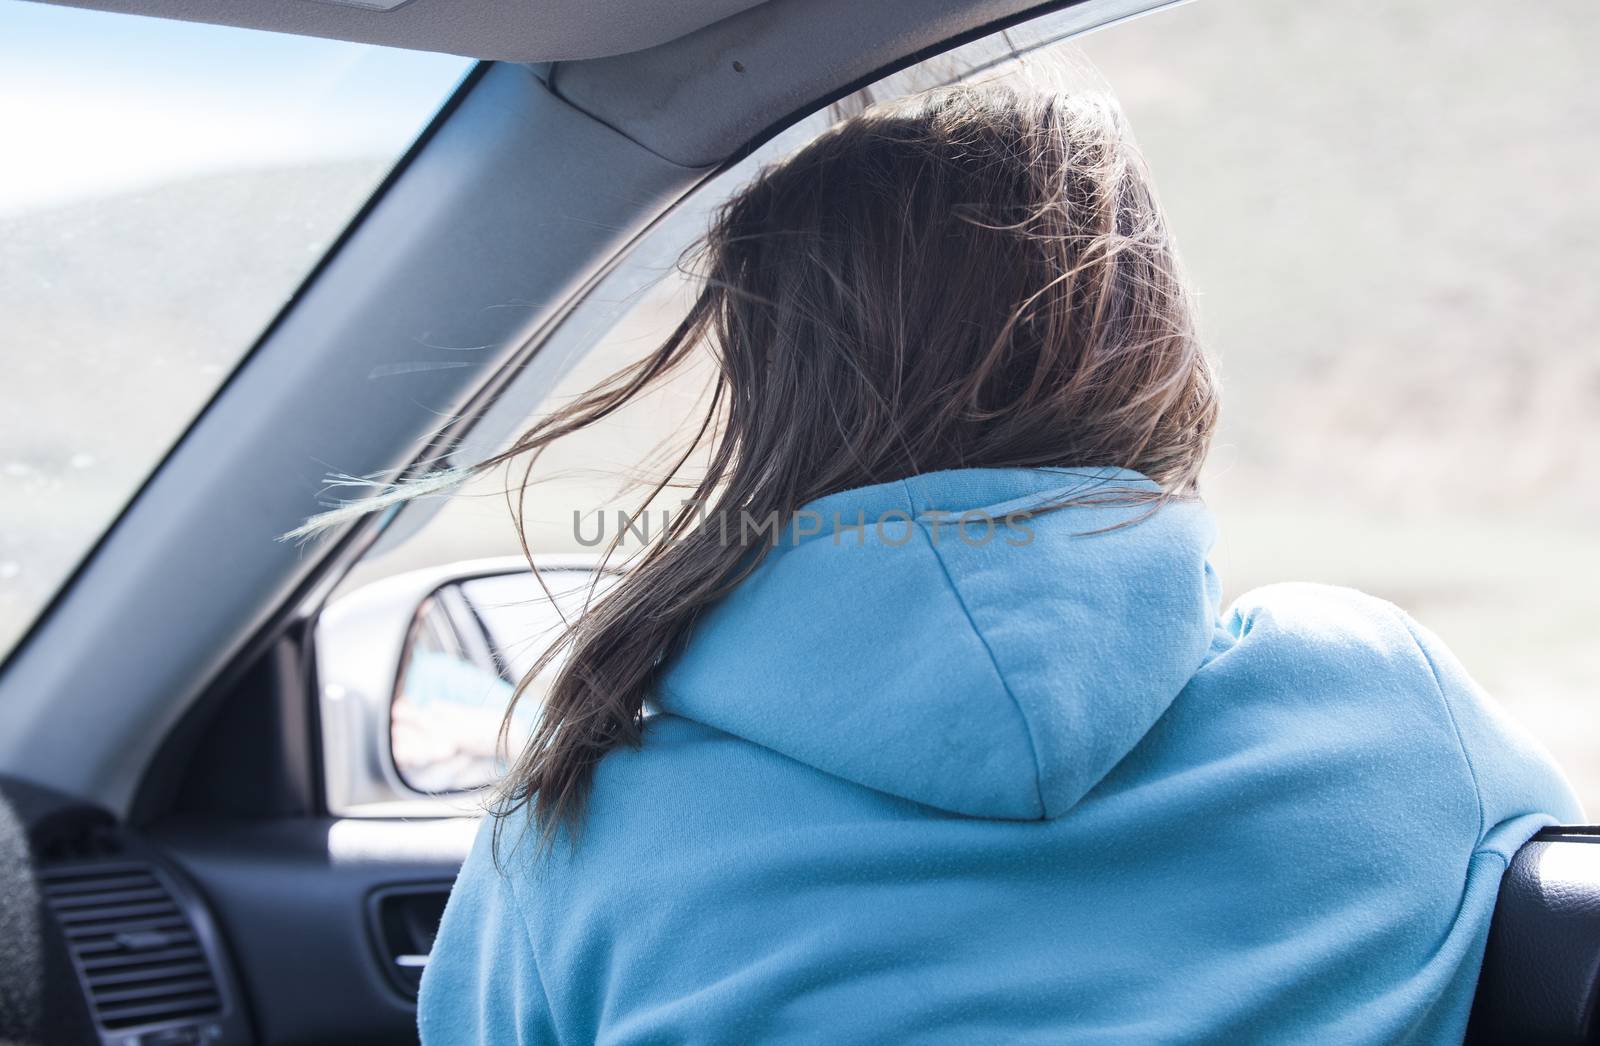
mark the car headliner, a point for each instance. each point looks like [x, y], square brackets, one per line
[512, 30]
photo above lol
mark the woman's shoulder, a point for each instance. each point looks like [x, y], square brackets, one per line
[1330, 636]
[1331, 619]
[1330, 644]
[1373, 679]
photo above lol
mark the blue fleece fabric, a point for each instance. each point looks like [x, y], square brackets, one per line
[907, 787]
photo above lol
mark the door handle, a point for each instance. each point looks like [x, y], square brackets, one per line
[404, 918]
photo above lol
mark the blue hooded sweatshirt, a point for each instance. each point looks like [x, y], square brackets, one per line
[910, 785]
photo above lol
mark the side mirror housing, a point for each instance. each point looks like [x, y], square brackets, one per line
[416, 672]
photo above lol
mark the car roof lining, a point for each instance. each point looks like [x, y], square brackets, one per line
[676, 99]
[504, 30]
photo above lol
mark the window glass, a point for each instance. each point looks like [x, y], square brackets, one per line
[166, 187]
[592, 471]
[1388, 214]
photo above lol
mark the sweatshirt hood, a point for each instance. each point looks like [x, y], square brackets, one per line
[996, 667]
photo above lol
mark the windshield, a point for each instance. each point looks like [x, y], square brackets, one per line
[166, 188]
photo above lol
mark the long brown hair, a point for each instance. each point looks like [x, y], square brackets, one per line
[975, 277]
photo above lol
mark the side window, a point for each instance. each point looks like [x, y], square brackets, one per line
[1390, 231]
[585, 473]
[432, 728]
[1383, 216]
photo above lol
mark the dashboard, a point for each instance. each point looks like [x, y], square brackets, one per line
[209, 930]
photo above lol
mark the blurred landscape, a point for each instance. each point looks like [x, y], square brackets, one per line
[1390, 212]
[114, 338]
[1391, 215]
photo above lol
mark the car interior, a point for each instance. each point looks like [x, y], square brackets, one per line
[213, 855]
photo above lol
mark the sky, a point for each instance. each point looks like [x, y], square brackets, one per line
[93, 103]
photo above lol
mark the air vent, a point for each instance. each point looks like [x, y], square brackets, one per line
[136, 952]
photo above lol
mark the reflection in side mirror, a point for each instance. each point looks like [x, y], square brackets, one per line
[469, 644]
[445, 718]
[418, 671]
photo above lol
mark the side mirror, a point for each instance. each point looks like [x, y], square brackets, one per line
[417, 671]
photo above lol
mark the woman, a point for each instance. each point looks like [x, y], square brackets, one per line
[949, 738]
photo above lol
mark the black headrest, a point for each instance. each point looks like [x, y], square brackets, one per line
[1542, 966]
